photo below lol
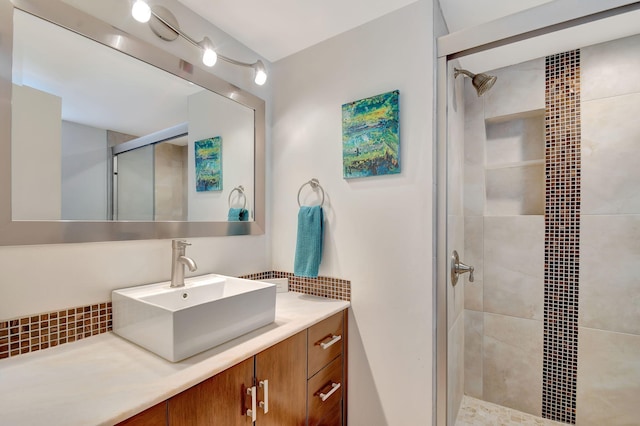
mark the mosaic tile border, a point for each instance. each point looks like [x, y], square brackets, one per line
[33, 333]
[562, 236]
[41, 331]
[334, 288]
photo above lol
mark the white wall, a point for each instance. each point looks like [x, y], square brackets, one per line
[211, 115]
[35, 150]
[378, 229]
[84, 172]
[49, 277]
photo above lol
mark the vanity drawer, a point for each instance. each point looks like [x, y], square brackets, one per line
[324, 343]
[325, 395]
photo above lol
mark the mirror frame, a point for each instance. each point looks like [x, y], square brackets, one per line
[67, 231]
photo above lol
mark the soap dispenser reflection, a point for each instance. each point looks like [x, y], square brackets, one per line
[178, 262]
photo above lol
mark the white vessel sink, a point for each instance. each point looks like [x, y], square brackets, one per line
[177, 323]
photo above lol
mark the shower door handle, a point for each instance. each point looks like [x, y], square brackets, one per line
[458, 268]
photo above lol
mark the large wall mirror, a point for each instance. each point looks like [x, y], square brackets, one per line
[109, 138]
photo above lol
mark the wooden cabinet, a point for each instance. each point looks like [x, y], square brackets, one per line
[283, 368]
[299, 381]
[277, 377]
[327, 372]
[220, 400]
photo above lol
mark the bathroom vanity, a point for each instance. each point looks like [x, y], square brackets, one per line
[290, 372]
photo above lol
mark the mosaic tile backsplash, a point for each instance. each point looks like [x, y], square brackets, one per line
[562, 236]
[333, 288]
[36, 332]
[42, 331]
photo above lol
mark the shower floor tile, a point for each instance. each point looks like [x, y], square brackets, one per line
[474, 412]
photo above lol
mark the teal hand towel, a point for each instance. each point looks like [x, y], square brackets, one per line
[309, 242]
[238, 215]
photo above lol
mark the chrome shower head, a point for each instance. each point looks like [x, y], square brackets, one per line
[481, 82]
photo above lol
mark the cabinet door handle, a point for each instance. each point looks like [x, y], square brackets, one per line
[334, 339]
[265, 404]
[252, 411]
[325, 396]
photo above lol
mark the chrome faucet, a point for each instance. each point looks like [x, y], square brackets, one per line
[178, 261]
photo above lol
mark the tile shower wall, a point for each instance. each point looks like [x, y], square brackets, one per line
[504, 239]
[455, 232]
[505, 310]
[608, 388]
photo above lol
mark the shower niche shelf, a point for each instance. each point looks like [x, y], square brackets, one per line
[514, 164]
[529, 163]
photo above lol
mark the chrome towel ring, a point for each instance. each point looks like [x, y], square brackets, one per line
[315, 184]
[240, 190]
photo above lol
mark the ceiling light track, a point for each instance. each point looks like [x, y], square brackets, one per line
[166, 27]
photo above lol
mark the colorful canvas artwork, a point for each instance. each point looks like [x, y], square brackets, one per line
[371, 137]
[208, 153]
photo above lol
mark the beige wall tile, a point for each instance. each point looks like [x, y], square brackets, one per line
[514, 266]
[473, 255]
[519, 88]
[609, 296]
[608, 378]
[516, 140]
[515, 190]
[474, 190]
[455, 295]
[606, 67]
[474, 153]
[610, 151]
[473, 336]
[455, 373]
[455, 154]
[512, 364]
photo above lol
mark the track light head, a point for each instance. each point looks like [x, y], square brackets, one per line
[209, 56]
[260, 73]
[141, 11]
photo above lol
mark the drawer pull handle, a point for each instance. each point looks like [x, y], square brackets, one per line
[334, 339]
[265, 404]
[252, 412]
[325, 396]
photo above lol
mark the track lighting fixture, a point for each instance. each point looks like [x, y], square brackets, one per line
[165, 25]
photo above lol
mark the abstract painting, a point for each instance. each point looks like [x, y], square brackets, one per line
[208, 153]
[371, 137]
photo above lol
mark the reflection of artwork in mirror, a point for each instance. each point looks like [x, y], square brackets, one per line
[370, 136]
[209, 164]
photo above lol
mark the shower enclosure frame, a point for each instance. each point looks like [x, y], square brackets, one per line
[545, 19]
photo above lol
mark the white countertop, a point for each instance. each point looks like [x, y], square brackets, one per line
[104, 379]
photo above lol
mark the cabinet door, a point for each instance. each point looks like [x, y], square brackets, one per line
[284, 366]
[220, 400]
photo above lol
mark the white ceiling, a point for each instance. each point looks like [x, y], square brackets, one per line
[460, 14]
[278, 28]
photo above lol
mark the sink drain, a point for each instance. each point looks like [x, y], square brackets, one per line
[185, 295]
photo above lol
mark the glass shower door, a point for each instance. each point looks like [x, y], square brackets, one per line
[134, 185]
